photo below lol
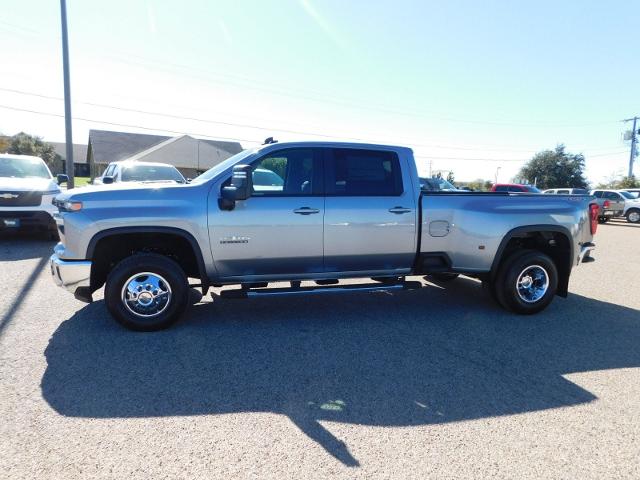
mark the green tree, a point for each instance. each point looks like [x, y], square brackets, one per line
[618, 182]
[450, 177]
[25, 144]
[555, 168]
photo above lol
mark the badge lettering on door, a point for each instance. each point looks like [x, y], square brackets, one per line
[234, 239]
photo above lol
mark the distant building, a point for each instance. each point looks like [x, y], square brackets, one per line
[80, 165]
[190, 155]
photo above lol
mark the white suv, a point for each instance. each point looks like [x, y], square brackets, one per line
[26, 191]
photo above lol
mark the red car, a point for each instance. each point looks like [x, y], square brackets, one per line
[514, 187]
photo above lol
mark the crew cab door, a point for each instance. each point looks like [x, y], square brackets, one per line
[370, 212]
[278, 230]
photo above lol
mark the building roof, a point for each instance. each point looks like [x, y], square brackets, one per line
[79, 151]
[110, 146]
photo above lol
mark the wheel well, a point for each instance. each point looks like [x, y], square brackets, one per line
[109, 250]
[553, 243]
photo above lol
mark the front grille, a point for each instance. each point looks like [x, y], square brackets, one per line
[20, 199]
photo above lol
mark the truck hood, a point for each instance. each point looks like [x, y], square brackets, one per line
[120, 190]
[12, 184]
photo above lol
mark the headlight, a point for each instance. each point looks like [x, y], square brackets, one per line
[67, 205]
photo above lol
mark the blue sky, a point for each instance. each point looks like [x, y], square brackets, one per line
[471, 86]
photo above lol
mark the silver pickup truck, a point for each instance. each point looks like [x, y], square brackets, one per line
[311, 211]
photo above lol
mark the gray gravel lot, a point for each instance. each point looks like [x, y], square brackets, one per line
[435, 383]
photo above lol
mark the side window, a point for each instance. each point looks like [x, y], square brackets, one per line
[502, 188]
[597, 194]
[109, 171]
[611, 196]
[287, 172]
[366, 173]
[515, 189]
[562, 192]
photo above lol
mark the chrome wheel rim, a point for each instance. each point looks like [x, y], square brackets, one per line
[634, 217]
[146, 294]
[532, 283]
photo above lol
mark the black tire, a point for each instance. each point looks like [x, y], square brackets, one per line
[171, 275]
[506, 281]
[633, 215]
[442, 277]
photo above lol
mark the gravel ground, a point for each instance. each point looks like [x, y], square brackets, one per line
[436, 382]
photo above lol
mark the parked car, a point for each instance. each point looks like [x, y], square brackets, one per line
[344, 211]
[631, 206]
[633, 191]
[134, 171]
[610, 204]
[435, 184]
[26, 191]
[514, 188]
[567, 191]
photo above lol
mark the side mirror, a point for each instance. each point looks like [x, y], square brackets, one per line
[240, 189]
[188, 180]
[62, 178]
[107, 180]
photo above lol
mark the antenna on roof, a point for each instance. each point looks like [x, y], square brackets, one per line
[269, 140]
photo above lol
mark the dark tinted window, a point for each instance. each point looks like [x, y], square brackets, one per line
[287, 172]
[562, 192]
[502, 188]
[597, 194]
[580, 191]
[353, 172]
[515, 189]
[611, 196]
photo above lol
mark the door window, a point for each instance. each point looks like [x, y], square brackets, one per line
[286, 173]
[611, 196]
[598, 194]
[354, 172]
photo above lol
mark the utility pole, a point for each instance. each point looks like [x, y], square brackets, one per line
[632, 154]
[67, 94]
[497, 170]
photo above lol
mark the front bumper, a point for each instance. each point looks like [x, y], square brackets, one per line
[74, 275]
[26, 220]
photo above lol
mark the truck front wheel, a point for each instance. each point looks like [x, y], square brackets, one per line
[147, 292]
[526, 282]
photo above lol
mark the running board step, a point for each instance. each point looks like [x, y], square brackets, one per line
[364, 287]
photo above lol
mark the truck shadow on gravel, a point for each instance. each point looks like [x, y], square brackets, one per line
[429, 356]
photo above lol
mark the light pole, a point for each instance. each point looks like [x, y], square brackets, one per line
[67, 94]
[497, 170]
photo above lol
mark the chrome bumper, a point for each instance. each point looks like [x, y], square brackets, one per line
[585, 252]
[70, 274]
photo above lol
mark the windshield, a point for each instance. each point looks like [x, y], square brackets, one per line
[532, 189]
[628, 195]
[221, 167]
[23, 168]
[435, 184]
[151, 173]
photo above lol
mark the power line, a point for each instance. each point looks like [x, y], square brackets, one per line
[256, 127]
[323, 98]
[104, 122]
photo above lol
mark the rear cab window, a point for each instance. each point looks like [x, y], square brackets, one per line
[365, 173]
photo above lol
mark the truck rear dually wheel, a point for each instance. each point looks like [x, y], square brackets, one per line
[147, 292]
[526, 282]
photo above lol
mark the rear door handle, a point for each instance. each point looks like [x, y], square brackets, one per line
[306, 211]
[399, 210]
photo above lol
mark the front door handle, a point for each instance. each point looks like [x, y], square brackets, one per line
[399, 210]
[306, 211]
